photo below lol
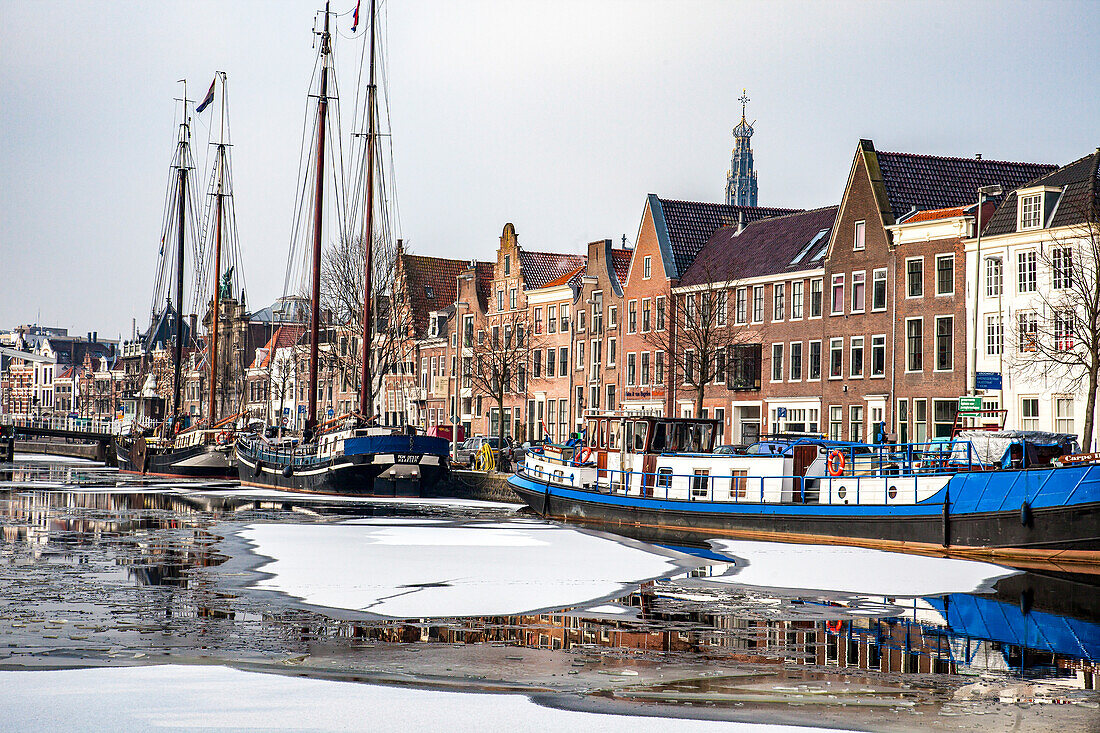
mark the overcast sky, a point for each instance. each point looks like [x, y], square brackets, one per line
[557, 116]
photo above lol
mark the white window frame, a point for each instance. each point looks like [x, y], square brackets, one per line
[853, 343]
[908, 293]
[940, 257]
[821, 301]
[1030, 212]
[790, 361]
[859, 236]
[994, 276]
[647, 267]
[837, 279]
[777, 360]
[875, 277]
[852, 305]
[798, 289]
[881, 339]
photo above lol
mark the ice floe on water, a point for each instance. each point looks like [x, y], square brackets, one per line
[853, 570]
[49, 458]
[178, 697]
[410, 569]
[248, 492]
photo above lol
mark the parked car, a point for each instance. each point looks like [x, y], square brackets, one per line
[728, 450]
[505, 450]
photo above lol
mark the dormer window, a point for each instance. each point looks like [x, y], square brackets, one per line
[429, 291]
[1031, 211]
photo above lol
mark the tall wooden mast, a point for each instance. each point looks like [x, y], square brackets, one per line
[219, 161]
[315, 300]
[368, 235]
[181, 220]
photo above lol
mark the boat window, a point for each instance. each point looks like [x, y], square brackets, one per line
[593, 432]
[739, 484]
[640, 428]
[628, 435]
[660, 437]
[664, 477]
[603, 433]
[677, 436]
[707, 438]
[700, 482]
[614, 435]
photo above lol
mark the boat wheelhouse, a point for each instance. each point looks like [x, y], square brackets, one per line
[659, 473]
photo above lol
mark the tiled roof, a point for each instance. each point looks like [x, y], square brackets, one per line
[689, 224]
[765, 247]
[540, 268]
[567, 278]
[620, 260]
[1080, 184]
[925, 182]
[431, 285]
[284, 336]
[934, 214]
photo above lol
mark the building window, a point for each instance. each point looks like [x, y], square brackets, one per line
[500, 300]
[1063, 415]
[836, 358]
[1031, 208]
[536, 364]
[855, 423]
[1064, 326]
[659, 367]
[631, 317]
[552, 319]
[836, 422]
[878, 290]
[994, 276]
[920, 421]
[796, 299]
[660, 308]
[744, 365]
[945, 328]
[1061, 261]
[860, 236]
[739, 305]
[796, 361]
[1029, 413]
[878, 356]
[538, 320]
[855, 362]
[550, 353]
[631, 367]
[646, 313]
[838, 294]
[611, 396]
[1027, 325]
[814, 370]
[647, 267]
[758, 304]
[778, 302]
[564, 323]
[815, 298]
[914, 277]
[994, 335]
[580, 320]
[720, 365]
[507, 264]
[777, 362]
[722, 298]
[859, 288]
[580, 354]
[512, 298]
[689, 367]
[1026, 272]
[943, 417]
[945, 274]
[612, 316]
[645, 367]
[612, 348]
[914, 345]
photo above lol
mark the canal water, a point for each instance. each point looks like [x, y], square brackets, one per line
[139, 603]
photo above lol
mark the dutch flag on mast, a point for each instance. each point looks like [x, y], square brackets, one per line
[208, 98]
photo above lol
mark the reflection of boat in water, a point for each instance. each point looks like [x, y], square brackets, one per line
[658, 474]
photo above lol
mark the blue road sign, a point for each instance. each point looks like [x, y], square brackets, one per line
[988, 380]
[330, 412]
[781, 412]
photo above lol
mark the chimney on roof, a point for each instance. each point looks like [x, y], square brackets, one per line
[977, 156]
[740, 221]
[95, 337]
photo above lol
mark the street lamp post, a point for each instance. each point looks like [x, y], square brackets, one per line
[983, 191]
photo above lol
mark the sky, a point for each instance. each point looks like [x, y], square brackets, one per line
[557, 116]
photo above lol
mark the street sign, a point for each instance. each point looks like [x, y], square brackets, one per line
[987, 380]
[301, 409]
[285, 421]
[969, 404]
[286, 410]
[781, 412]
[330, 412]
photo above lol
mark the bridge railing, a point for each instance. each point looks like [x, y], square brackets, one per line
[68, 423]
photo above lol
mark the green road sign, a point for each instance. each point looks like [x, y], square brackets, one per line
[969, 404]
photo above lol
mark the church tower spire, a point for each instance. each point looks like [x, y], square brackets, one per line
[741, 178]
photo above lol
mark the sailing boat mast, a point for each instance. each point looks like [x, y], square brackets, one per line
[368, 235]
[219, 161]
[315, 300]
[181, 207]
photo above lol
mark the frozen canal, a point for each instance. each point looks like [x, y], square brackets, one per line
[144, 604]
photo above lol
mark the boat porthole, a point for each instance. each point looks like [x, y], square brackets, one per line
[842, 492]
[892, 492]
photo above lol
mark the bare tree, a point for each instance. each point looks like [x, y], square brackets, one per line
[497, 361]
[1059, 338]
[700, 333]
[342, 268]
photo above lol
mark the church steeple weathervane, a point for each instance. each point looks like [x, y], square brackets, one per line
[741, 177]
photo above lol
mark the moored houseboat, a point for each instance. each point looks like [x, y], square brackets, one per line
[659, 475]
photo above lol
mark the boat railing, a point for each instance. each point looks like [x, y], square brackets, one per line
[290, 453]
[899, 459]
[735, 488]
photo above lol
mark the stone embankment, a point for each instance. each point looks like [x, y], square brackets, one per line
[92, 451]
[464, 484]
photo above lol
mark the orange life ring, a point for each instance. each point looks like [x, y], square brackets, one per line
[835, 463]
[834, 626]
[583, 457]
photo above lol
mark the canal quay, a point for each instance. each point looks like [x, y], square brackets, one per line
[130, 602]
